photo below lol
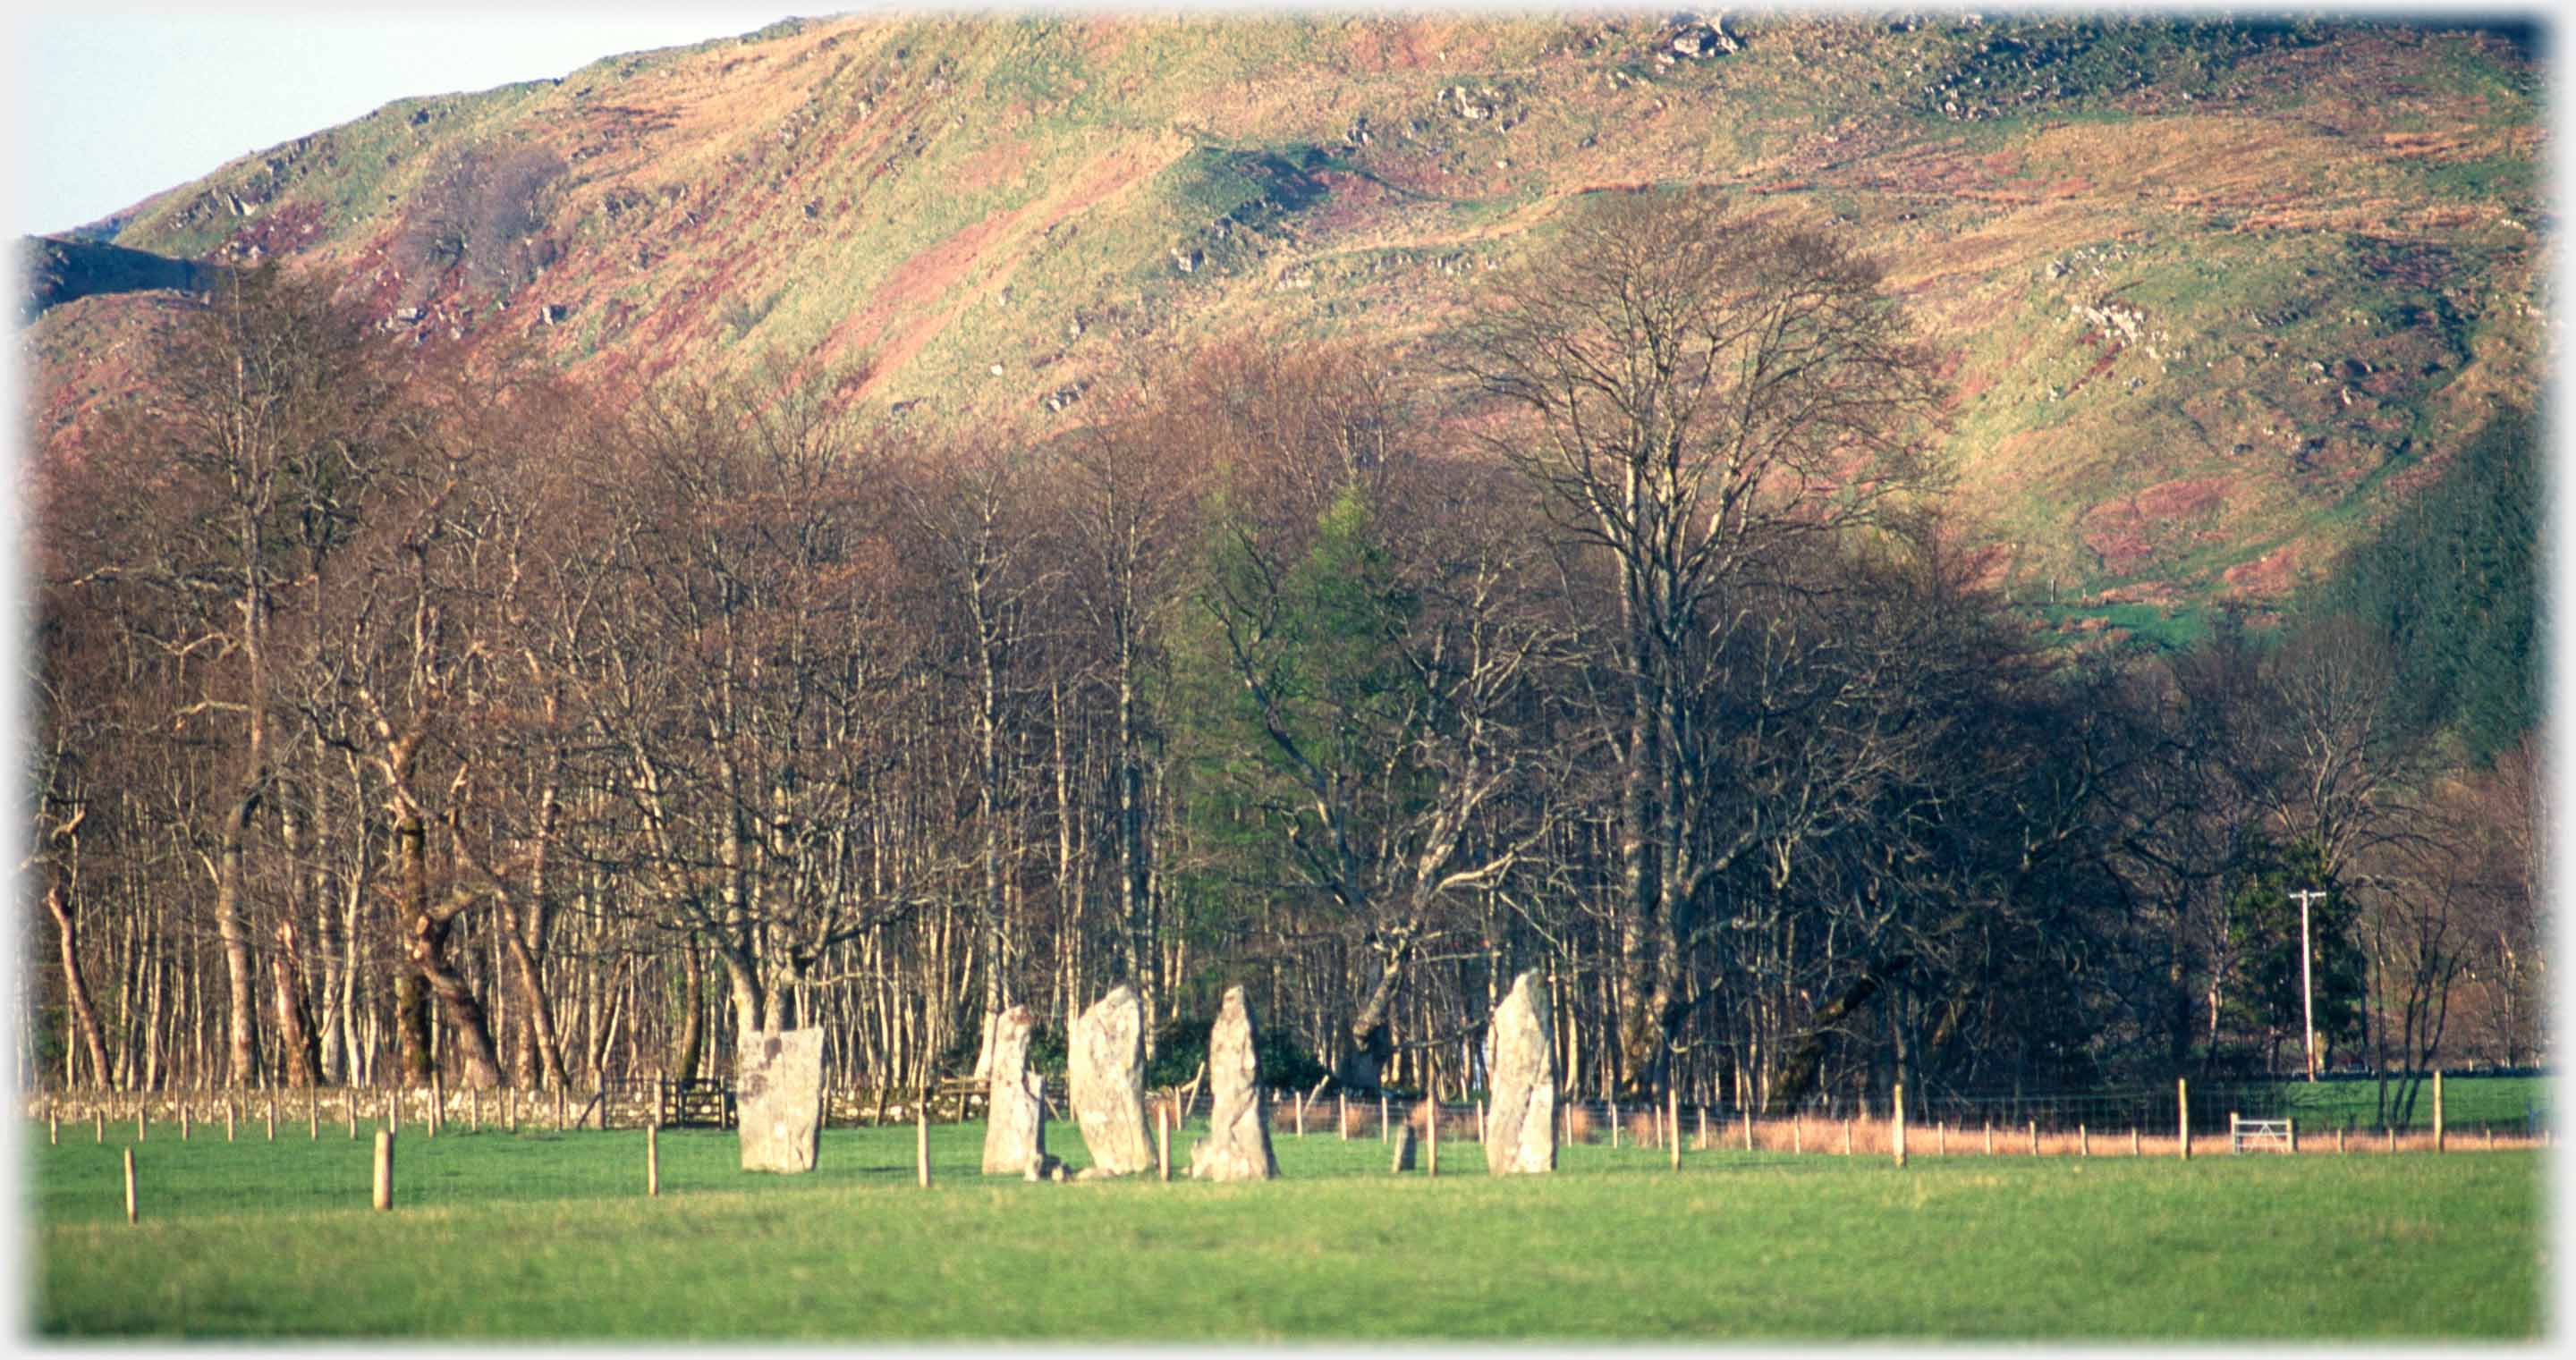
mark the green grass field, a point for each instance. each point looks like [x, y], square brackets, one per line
[543, 1236]
[2467, 1102]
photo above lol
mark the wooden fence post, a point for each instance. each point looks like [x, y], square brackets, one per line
[272, 1116]
[1431, 1149]
[1480, 1121]
[1990, 1138]
[183, 1121]
[1381, 1116]
[129, 1187]
[1797, 1134]
[2182, 1118]
[1896, 1122]
[2133, 1141]
[1163, 1140]
[1673, 1106]
[2440, 1132]
[228, 1119]
[2339, 1131]
[2034, 1138]
[141, 1125]
[352, 1095]
[652, 1159]
[98, 1123]
[1301, 1113]
[1614, 1120]
[1748, 1128]
[921, 1136]
[1941, 1138]
[313, 1113]
[1847, 1135]
[1703, 1128]
[384, 1197]
[2391, 1131]
[53, 1125]
[2083, 1141]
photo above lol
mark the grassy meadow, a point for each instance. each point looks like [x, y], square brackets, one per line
[541, 1236]
[2469, 1104]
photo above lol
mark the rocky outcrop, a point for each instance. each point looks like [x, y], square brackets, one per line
[1105, 1065]
[1520, 1129]
[1703, 39]
[1237, 1147]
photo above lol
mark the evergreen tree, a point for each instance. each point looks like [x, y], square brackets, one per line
[2452, 581]
[2265, 939]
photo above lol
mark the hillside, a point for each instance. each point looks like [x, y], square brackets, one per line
[60, 270]
[2216, 296]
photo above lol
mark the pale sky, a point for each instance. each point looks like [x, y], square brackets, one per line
[118, 102]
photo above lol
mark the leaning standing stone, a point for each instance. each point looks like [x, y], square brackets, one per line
[1237, 1147]
[778, 1099]
[1106, 1070]
[1520, 1130]
[1402, 1159]
[1015, 1118]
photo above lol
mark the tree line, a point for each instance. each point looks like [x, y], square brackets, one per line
[391, 722]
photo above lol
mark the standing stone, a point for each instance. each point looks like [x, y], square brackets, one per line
[1014, 1106]
[1106, 1069]
[1044, 1166]
[1520, 1132]
[1237, 1147]
[778, 1099]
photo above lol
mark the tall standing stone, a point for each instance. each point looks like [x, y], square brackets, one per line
[1520, 1130]
[1401, 1159]
[1014, 1108]
[1237, 1147]
[778, 1099]
[1106, 1070]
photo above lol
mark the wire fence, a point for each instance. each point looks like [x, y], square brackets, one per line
[196, 1154]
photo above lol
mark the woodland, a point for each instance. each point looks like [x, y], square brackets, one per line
[392, 719]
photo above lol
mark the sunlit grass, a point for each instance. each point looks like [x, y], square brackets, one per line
[500, 1237]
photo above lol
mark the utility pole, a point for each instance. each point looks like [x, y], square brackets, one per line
[2307, 989]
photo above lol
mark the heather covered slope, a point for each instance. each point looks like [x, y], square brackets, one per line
[60, 270]
[2217, 296]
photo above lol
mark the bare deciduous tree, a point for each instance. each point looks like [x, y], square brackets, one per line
[1696, 387]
